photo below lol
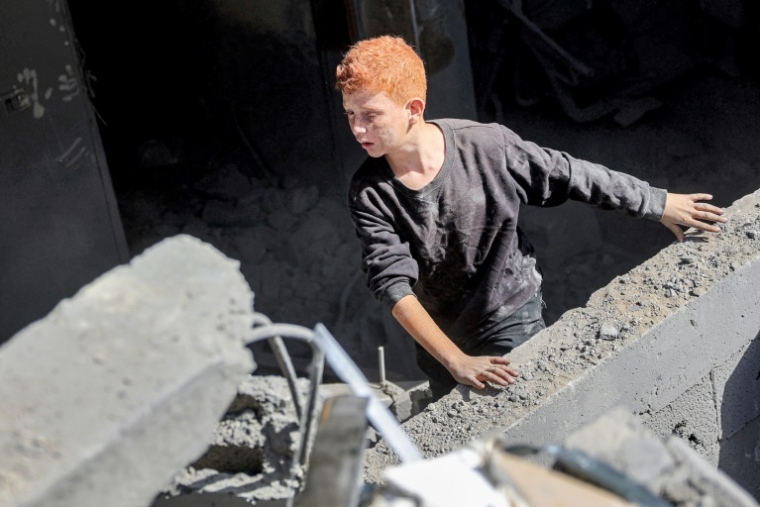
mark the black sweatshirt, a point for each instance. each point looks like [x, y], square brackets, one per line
[455, 243]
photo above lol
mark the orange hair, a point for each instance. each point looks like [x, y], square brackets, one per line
[383, 64]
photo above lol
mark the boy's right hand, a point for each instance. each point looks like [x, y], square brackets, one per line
[474, 370]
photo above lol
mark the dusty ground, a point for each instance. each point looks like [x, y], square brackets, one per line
[251, 453]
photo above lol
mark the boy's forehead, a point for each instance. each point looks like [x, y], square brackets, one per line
[365, 99]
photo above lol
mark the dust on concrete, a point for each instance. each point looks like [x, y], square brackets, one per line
[614, 317]
[251, 453]
[668, 467]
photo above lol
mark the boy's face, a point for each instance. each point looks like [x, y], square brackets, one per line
[379, 124]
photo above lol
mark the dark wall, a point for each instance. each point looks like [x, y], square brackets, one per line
[58, 219]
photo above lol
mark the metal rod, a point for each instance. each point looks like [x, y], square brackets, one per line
[316, 369]
[381, 363]
[283, 361]
[380, 416]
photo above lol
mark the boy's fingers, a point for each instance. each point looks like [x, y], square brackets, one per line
[497, 378]
[701, 206]
[677, 231]
[705, 227]
[712, 217]
[509, 371]
[504, 375]
[701, 197]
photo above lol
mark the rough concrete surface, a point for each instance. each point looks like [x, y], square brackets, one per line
[693, 416]
[740, 457]
[684, 312]
[122, 385]
[250, 455]
[666, 466]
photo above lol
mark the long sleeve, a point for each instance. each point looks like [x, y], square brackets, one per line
[548, 177]
[386, 258]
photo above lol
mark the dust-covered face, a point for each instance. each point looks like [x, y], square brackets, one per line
[379, 124]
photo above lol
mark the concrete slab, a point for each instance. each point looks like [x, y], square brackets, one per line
[737, 385]
[121, 386]
[619, 439]
[668, 466]
[702, 476]
[693, 417]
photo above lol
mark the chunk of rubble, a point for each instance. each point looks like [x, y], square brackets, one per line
[666, 466]
[122, 385]
[251, 453]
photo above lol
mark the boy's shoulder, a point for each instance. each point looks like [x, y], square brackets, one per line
[370, 173]
[471, 129]
[465, 125]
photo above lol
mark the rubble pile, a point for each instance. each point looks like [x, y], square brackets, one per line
[668, 466]
[251, 453]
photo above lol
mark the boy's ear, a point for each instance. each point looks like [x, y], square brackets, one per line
[415, 107]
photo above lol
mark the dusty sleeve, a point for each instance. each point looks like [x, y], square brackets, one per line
[386, 259]
[547, 177]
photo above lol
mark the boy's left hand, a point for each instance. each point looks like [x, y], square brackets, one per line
[684, 209]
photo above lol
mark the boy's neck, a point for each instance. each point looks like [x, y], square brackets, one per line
[421, 159]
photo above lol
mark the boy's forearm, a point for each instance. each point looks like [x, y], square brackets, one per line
[418, 323]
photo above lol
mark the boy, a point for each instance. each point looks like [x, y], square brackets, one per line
[435, 206]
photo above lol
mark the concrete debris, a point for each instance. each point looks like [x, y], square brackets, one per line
[668, 467]
[122, 385]
[404, 399]
[251, 453]
[608, 331]
[488, 476]
[675, 325]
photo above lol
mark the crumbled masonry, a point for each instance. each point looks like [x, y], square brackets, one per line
[667, 466]
[672, 340]
[251, 452]
[122, 385]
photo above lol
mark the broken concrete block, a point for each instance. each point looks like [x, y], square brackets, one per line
[669, 468]
[619, 439]
[119, 387]
[693, 417]
[709, 481]
[252, 449]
